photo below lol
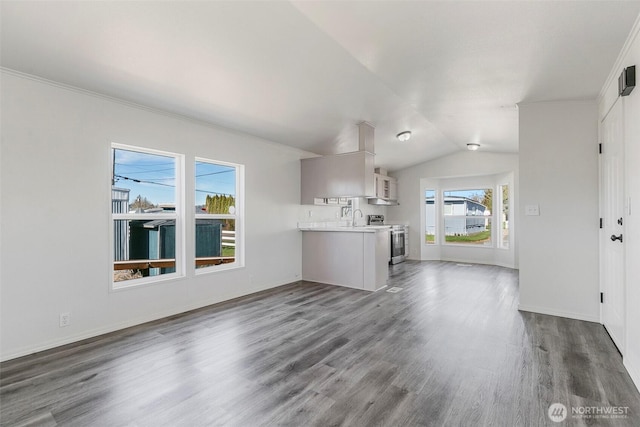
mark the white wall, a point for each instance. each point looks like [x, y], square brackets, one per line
[559, 172]
[333, 213]
[459, 169]
[55, 182]
[630, 55]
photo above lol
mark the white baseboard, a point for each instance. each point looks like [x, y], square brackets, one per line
[559, 313]
[25, 351]
[633, 370]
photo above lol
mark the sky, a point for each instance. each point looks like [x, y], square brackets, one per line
[465, 193]
[459, 193]
[153, 176]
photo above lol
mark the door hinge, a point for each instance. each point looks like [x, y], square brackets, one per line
[600, 148]
[601, 297]
[601, 223]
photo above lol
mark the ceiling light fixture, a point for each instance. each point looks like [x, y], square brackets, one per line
[404, 136]
[473, 147]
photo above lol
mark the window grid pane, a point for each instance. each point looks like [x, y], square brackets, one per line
[144, 214]
[142, 182]
[430, 217]
[216, 206]
[504, 217]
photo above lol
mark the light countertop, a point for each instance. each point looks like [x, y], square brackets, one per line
[347, 229]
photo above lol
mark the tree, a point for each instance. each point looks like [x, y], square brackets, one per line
[487, 199]
[220, 204]
[505, 201]
[141, 203]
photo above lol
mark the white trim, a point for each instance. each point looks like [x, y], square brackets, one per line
[216, 162]
[423, 217]
[143, 216]
[604, 117]
[144, 281]
[146, 150]
[617, 65]
[238, 217]
[218, 268]
[559, 313]
[634, 372]
[215, 216]
[468, 245]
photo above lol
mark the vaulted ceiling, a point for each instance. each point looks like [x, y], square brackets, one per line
[305, 73]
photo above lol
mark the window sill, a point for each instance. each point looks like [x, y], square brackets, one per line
[218, 268]
[462, 245]
[144, 282]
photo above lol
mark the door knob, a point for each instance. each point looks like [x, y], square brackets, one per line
[614, 238]
[620, 221]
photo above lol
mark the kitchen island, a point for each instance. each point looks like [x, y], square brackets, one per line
[356, 257]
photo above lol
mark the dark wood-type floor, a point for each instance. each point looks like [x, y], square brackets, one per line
[449, 349]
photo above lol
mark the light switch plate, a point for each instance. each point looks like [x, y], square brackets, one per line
[532, 210]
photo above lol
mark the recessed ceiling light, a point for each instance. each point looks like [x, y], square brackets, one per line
[473, 146]
[404, 136]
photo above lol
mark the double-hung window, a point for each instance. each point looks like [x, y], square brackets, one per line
[218, 215]
[147, 216]
[430, 217]
[146, 194]
[503, 210]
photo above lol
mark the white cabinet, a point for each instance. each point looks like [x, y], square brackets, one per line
[393, 189]
[386, 187]
[382, 187]
[346, 258]
[340, 175]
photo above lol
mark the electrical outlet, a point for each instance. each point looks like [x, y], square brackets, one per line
[65, 319]
[532, 210]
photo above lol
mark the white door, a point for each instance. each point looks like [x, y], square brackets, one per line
[612, 236]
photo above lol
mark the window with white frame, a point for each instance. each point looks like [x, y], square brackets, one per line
[430, 217]
[218, 217]
[467, 216]
[146, 190]
[503, 211]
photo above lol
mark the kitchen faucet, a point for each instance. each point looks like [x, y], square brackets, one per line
[354, 215]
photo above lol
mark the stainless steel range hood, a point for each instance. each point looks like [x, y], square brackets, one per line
[382, 202]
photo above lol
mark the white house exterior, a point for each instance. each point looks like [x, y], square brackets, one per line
[463, 216]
